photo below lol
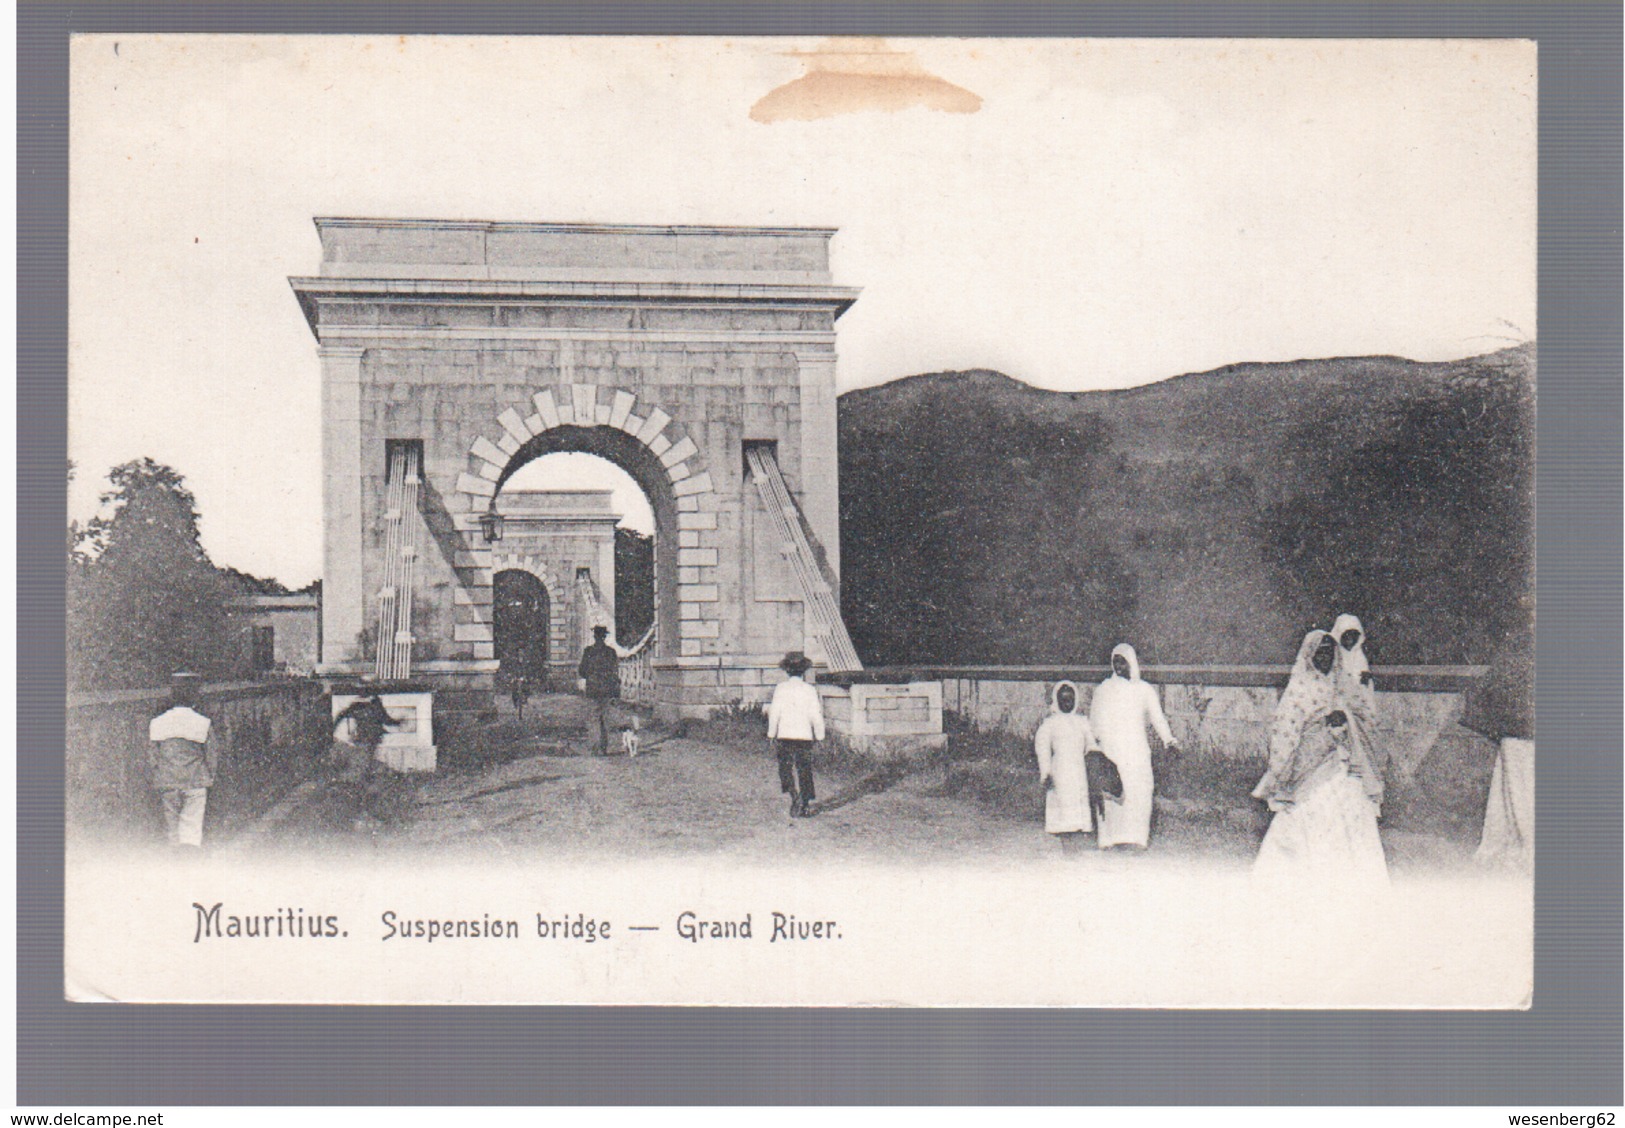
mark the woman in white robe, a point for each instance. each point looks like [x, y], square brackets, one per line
[1323, 832]
[1351, 676]
[1124, 707]
[1060, 743]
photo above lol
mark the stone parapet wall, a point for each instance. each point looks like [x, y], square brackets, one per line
[1226, 719]
[269, 734]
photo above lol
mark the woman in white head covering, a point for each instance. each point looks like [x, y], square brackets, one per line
[1124, 707]
[1060, 744]
[1353, 671]
[1352, 678]
[1324, 827]
[1309, 693]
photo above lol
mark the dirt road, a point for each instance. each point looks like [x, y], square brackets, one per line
[531, 788]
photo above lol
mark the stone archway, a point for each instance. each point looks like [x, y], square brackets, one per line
[682, 353]
[665, 463]
[522, 619]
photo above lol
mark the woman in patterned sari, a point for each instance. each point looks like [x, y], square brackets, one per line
[1321, 785]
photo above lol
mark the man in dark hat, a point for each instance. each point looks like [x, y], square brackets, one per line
[795, 719]
[600, 670]
[182, 762]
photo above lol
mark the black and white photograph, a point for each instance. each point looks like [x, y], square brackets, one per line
[801, 521]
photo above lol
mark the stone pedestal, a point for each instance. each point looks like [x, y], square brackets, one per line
[886, 720]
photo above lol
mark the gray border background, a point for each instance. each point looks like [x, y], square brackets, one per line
[1565, 1051]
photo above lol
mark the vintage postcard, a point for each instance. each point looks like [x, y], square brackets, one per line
[826, 522]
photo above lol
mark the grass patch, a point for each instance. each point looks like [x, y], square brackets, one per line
[998, 769]
[742, 727]
[1446, 794]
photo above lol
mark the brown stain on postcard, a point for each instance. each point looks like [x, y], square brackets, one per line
[852, 75]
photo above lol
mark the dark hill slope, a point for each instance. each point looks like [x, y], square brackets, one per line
[1212, 517]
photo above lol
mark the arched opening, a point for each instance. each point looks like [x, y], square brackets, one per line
[595, 500]
[521, 621]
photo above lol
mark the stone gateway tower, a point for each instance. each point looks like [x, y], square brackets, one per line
[700, 360]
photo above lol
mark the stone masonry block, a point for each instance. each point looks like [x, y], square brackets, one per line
[690, 611]
[471, 596]
[507, 444]
[653, 425]
[546, 408]
[680, 452]
[534, 423]
[696, 556]
[567, 410]
[468, 483]
[691, 648]
[689, 502]
[698, 593]
[688, 538]
[471, 632]
[514, 425]
[696, 520]
[631, 424]
[679, 472]
[486, 449]
[490, 471]
[693, 628]
[600, 414]
[700, 483]
[619, 409]
[584, 398]
[660, 444]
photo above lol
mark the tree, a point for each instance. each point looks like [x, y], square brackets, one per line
[634, 585]
[1428, 528]
[144, 599]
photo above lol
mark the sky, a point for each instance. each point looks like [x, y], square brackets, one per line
[1077, 214]
[574, 470]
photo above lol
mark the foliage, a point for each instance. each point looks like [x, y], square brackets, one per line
[634, 585]
[751, 714]
[1211, 518]
[250, 584]
[968, 536]
[143, 598]
[1441, 504]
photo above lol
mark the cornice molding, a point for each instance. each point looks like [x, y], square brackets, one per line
[568, 228]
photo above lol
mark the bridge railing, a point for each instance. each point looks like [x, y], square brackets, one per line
[638, 671]
[636, 664]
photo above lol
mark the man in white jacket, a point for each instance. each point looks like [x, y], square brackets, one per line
[795, 718]
[182, 761]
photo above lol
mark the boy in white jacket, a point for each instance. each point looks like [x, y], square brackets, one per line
[795, 719]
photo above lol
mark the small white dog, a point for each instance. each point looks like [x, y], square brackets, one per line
[629, 738]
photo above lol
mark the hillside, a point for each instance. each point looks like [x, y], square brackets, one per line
[1212, 517]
